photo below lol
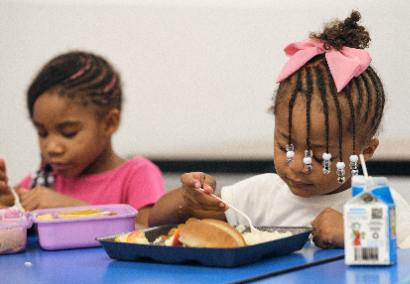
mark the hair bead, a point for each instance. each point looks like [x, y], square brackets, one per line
[307, 160]
[353, 165]
[340, 172]
[326, 162]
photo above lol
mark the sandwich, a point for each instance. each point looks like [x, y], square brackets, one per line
[210, 233]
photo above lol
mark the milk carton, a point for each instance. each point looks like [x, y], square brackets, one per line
[370, 223]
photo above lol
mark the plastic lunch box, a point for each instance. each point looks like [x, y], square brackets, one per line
[13, 230]
[59, 233]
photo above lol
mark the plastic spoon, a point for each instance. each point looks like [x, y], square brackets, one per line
[253, 229]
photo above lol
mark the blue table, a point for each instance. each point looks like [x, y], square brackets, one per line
[337, 272]
[92, 265]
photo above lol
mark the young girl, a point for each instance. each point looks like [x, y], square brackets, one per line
[327, 109]
[75, 103]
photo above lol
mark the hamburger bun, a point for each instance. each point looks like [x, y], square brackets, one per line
[209, 233]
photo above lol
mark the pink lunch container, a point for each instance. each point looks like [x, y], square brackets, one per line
[80, 232]
[13, 230]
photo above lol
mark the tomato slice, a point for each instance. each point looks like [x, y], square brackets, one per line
[176, 242]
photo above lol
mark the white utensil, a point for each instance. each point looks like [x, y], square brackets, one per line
[17, 200]
[253, 229]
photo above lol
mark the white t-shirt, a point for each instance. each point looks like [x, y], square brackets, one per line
[268, 201]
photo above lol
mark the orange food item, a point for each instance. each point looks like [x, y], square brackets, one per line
[137, 237]
[176, 242]
[172, 232]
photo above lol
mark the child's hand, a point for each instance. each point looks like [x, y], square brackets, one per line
[4, 187]
[187, 201]
[194, 198]
[329, 231]
[42, 197]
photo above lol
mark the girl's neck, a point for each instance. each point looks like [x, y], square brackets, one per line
[106, 161]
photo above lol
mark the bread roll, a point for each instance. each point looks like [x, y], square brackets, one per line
[209, 233]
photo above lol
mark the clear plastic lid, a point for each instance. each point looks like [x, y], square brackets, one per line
[12, 217]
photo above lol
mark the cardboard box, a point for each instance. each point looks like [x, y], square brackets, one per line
[370, 223]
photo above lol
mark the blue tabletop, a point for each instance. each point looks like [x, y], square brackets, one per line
[338, 272]
[92, 265]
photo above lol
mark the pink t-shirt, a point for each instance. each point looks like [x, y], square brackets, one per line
[137, 182]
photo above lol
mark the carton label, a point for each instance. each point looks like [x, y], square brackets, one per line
[367, 237]
[370, 227]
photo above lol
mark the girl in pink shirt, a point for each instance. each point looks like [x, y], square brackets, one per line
[75, 103]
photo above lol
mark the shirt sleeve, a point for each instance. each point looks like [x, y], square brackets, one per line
[25, 182]
[227, 195]
[145, 184]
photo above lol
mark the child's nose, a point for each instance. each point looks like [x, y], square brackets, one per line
[299, 166]
[54, 147]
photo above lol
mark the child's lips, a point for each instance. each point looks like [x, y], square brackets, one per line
[59, 166]
[299, 184]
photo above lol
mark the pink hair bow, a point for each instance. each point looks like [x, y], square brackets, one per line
[344, 64]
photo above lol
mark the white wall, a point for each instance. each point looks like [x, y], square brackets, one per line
[198, 75]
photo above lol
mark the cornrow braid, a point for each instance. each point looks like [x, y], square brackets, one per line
[79, 74]
[359, 81]
[369, 96]
[376, 83]
[297, 89]
[308, 99]
[322, 90]
[83, 70]
[339, 113]
[349, 98]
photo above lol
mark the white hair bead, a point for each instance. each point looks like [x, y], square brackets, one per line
[354, 158]
[307, 160]
[340, 165]
[326, 156]
[290, 154]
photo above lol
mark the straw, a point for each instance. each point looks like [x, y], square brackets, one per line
[366, 176]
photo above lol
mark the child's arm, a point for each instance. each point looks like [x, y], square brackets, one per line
[6, 197]
[188, 201]
[42, 197]
[329, 231]
[141, 220]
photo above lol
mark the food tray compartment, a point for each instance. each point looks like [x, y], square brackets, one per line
[217, 257]
[13, 230]
[72, 233]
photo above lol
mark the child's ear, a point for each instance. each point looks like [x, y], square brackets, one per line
[111, 122]
[370, 149]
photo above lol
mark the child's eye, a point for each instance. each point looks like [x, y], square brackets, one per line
[70, 134]
[281, 147]
[42, 134]
[317, 159]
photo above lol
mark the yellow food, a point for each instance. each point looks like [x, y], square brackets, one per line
[45, 217]
[85, 213]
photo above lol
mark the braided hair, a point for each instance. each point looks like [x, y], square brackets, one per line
[79, 74]
[76, 74]
[363, 96]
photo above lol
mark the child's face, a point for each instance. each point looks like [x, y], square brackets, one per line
[301, 182]
[71, 138]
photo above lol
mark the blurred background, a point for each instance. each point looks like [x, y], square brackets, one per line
[198, 76]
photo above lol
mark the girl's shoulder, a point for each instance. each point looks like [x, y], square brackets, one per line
[138, 163]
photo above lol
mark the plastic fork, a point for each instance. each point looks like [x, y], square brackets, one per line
[17, 200]
[253, 229]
